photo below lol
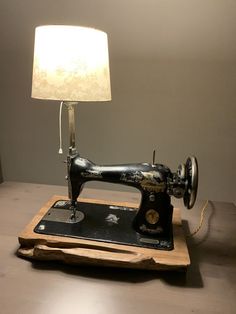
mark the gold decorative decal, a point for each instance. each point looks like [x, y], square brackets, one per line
[150, 182]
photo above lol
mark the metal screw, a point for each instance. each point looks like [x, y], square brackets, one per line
[152, 198]
[41, 227]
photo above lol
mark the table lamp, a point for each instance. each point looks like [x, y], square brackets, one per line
[71, 64]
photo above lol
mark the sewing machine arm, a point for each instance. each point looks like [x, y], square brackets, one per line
[155, 181]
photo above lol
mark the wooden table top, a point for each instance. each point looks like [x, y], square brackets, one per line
[209, 286]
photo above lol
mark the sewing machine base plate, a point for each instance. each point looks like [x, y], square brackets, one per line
[99, 222]
[77, 250]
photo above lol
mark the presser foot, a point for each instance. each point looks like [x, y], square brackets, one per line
[76, 215]
[73, 214]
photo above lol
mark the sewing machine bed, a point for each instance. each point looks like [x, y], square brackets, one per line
[99, 222]
[81, 244]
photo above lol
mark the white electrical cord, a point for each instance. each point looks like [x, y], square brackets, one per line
[60, 137]
[201, 220]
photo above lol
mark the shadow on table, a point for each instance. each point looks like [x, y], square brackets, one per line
[191, 278]
[195, 248]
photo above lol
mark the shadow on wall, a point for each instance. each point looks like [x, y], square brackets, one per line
[1, 177]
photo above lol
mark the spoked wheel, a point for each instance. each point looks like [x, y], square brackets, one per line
[191, 172]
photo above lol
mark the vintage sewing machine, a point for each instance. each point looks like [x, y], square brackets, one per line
[150, 226]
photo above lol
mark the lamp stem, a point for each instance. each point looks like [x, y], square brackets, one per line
[71, 118]
[72, 149]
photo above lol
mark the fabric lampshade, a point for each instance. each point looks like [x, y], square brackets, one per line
[71, 63]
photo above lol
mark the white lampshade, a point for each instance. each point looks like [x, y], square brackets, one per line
[71, 63]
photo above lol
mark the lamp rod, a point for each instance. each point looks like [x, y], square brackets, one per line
[71, 118]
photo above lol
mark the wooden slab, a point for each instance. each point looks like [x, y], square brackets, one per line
[80, 251]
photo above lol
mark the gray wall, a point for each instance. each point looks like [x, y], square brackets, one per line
[1, 177]
[173, 75]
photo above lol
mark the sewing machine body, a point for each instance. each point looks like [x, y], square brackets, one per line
[155, 213]
[149, 226]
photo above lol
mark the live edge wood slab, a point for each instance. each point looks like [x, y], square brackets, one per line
[80, 251]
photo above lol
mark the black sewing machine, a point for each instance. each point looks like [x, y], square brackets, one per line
[149, 226]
